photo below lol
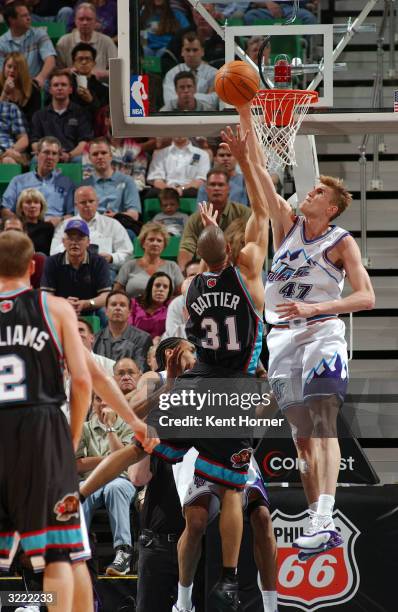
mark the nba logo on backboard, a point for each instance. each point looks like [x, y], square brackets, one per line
[329, 579]
[139, 102]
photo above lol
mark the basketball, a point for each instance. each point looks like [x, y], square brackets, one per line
[236, 83]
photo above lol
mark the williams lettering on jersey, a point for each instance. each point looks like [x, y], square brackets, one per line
[23, 336]
[31, 367]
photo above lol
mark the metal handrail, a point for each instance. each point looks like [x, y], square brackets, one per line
[377, 102]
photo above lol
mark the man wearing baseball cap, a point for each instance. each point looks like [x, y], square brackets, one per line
[81, 277]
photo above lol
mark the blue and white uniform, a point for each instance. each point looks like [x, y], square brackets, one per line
[307, 357]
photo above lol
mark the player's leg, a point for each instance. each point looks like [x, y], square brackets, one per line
[225, 593]
[118, 496]
[190, 549]
[325, 354]
[264, 549]
[307, 446]
[110, 467]
[82, 588]
[58, 579]
[231, 527]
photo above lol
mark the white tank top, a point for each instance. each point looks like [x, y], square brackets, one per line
[301, 271]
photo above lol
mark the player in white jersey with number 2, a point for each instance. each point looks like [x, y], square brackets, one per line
[307, 347]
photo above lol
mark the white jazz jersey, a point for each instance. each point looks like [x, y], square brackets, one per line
[301, 271]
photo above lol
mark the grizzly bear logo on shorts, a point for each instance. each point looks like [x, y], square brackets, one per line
[242, 458]
[67, 507]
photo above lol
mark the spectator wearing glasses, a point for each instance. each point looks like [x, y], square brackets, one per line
[88, 91]
[57, 189]
[85, 31]
[76, 274]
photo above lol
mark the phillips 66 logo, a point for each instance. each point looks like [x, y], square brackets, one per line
[328, 579]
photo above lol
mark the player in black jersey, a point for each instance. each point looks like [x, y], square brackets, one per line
[39, 501]
[225, 306]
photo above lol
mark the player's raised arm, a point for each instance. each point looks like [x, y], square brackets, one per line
[110, 393]
[66, 324]
[279, 210]
[256, 234]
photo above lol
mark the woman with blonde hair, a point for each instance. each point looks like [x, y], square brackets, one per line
[17, 86]
[31, 209]
[134, 274]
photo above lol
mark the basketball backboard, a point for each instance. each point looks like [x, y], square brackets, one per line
[338, 119]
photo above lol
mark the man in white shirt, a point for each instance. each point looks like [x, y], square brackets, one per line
[177, 314]
[106, 233]
[192, 52]
[87, 335]
[181, 166]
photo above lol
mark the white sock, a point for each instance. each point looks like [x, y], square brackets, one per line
[313, 506]
[184, 601]
[270, 601]
[325, 505]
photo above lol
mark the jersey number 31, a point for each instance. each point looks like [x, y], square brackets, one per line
[212, 340]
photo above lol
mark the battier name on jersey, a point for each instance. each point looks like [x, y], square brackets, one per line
[214, 299]
[20, 335]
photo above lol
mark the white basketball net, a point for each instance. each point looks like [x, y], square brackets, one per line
[277, 116]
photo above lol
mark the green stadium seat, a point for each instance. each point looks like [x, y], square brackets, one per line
[73, 171]
[170, 252]
[236, 21]
[188, 205]
[54, 29]
[94, 321]
[151, 208]
[7, 172]
[151, 64]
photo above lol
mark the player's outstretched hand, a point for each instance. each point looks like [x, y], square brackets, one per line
[145, 435]
[207, 215]
[237, 143]
[175, 365]
[293, 310]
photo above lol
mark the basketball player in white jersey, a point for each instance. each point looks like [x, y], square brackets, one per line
[308, 353]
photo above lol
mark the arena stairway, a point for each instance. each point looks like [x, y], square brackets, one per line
[375, 334]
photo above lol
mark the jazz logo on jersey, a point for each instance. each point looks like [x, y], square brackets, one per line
[6, 306]
[211, 282]
[139, 101]
[329, 579]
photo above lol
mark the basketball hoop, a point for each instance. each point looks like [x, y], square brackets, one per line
[277, 115]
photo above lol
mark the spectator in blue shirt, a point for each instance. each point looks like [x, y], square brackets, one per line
[281, 10]
[117, 193]
[34, 43]
[58, 190]
[13, 136]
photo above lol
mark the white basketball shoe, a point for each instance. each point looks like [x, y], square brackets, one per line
[175, 609]
[319, 536]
